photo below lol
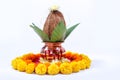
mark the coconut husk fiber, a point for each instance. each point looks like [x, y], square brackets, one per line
[52, 20]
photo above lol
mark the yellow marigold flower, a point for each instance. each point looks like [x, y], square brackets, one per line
[86, 60]
[21, 65]
[14, 63]
[86, 57]
[41, 69]
[82, 65]
[30, 68]
[66, 68]
[75, 66]
[87, 63]
[53, 69]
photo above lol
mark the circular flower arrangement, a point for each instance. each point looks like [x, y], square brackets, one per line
[35, 63]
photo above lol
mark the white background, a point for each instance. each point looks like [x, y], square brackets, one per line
[98, 35]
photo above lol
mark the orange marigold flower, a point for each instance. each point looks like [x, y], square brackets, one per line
[47, 64]
[37, 55]
[79, 58]
[75, 56]
[58, 63]
[71, 62]
[68, 54]
[29, 56]
[28, 61]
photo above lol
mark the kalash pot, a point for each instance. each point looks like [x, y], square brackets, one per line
[52, 51]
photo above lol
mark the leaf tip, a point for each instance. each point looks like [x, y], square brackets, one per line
[30, 25]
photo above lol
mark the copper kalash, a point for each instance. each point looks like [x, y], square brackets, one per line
[53, 50]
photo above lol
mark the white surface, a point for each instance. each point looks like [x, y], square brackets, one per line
[97, 35]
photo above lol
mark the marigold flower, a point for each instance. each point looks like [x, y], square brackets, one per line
[66, 68]
[86, 60]
[41, 69]
[37, 55]
[75, 55]
[87, 63]
[85, 57]
[75, 66]
[29, 56]
[14, 63]
[21, 65]
[28, 61]
[79, 57]
[58, 63]
[53, 69]
[82, 65]
[47, 64]
[71, 62]
[68, 54]
[30, 68]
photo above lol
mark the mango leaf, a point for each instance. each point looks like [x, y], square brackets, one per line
[58, 33]
[40, 33]
[70, 30]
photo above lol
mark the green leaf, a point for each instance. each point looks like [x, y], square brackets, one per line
[58, 33]
[40, 33]
[70, 30]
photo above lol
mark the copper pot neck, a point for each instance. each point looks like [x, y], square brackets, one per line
[53, 43]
